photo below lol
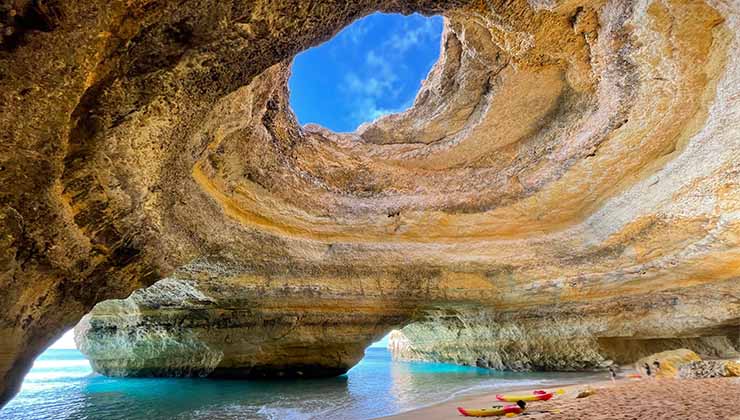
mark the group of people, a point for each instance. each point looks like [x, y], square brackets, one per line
[650, 371]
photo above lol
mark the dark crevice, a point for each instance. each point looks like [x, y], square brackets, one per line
[17, 21]
[573, 20]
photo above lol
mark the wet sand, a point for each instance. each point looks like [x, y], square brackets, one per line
[627, 399]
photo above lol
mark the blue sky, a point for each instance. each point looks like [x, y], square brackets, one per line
[372, 67]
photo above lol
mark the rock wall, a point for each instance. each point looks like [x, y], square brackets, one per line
[561, 154]
[575, 337]
[233, 325]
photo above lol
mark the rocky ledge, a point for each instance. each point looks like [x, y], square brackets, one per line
[568, 167]
[193, 324]
[573, 337]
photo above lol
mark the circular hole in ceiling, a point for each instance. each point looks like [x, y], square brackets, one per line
[372, 68]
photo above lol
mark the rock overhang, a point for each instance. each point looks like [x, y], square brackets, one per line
[558, 154]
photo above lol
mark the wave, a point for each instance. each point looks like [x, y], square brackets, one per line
[45, 376]
[57, 364]
[273, 413]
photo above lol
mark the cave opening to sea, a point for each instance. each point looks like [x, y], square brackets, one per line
[371, 68]
[561, 195]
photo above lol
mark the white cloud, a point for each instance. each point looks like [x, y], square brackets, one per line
[379, 81]
[371, 86]
[352, 83]
[410, 38]
[356, 32]
[367, 109]
[373, 59]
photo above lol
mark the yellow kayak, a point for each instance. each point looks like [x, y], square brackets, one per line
[490, 412]
[535, 396]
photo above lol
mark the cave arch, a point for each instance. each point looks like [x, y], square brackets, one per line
[559, 155]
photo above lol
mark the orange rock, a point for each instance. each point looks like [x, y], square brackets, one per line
[670, 362]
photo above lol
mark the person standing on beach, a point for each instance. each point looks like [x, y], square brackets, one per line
[647, 369]
[657, 367]
[613, 373]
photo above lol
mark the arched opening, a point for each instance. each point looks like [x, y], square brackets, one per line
[62, 384]
[372, 68]
[532, 178]
[389, 56]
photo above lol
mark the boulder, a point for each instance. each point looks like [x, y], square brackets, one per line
[670, 362]
[708, 369]
[733, 368]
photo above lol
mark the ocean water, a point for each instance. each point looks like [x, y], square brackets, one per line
[61, 385]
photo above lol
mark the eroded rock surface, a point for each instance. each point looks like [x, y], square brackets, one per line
[573, 337]
[233, 325]
[709, 369]
[561, 158]
[669, 363]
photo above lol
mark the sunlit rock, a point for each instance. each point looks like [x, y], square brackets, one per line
[561, 158]
[666, 364]
[566, 337]
[236, 326]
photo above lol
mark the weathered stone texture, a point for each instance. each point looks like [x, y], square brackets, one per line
[561, 158]
[237, 326]
[708, 369]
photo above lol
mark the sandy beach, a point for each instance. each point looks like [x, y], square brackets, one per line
[648, 399]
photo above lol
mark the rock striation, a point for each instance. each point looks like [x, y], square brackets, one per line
[197, 324]
[568, 168]
[575, 338]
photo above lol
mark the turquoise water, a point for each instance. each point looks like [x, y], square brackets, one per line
[61, 385]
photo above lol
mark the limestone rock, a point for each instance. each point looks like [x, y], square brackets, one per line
[569, 167]
[230, 327]
[398, 344]
[707, 369]
[551, 339]
[733, 368]
[671, 362]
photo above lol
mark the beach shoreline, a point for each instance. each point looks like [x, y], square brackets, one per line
[625, 398]
[445, 408]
